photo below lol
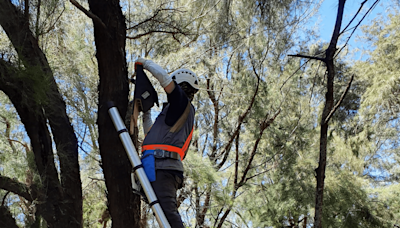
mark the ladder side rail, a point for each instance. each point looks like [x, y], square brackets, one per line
[137, 166]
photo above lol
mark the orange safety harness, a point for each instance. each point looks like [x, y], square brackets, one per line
[180, 151]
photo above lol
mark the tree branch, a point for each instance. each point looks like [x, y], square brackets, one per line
[223, 218]
[211, 95]
[244, 179]
[308, 57]
[51, 26]
[88, 13]
[16, 187]
[351, 21]
[236, 173]
[153, 31]
[358, 24]
[19, 83]
[266, 123]
[340, 100]
[283, 84]
[240, 119]
[152, 17]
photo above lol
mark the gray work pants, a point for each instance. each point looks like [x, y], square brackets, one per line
[165, 187]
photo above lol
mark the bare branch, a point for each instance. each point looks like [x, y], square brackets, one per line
[283, 84]
[22, 143]
[154, 31]
[147, 20]
[351, 21]
[355, 27]
[308, 57]
[97, 179]
[217, 216]
[88, 13]
[257, 174]
[152, 17]
[51, 27]
[223, 218]
[340, 100]
[244, 179]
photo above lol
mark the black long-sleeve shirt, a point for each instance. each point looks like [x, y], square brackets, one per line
[178, 101]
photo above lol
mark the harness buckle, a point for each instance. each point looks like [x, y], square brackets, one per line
[158, 153]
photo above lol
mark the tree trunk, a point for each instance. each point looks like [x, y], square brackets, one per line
[110, 36]
[62, 199]
[328, 108]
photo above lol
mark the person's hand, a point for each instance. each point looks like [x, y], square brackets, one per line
[157, 71]
[140, 61]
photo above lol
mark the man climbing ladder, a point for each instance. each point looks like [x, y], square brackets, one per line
[168, 139]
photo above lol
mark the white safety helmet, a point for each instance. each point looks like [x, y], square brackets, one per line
[185, 75]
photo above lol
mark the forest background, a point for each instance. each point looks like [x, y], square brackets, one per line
[291, 130]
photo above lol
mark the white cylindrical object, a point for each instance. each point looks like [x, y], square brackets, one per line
[137, 164]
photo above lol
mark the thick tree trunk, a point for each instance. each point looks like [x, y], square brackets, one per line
[63, 199]
[110, 36]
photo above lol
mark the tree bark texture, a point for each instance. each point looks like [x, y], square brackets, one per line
[329, 104]
[110, 37]
[61, 193]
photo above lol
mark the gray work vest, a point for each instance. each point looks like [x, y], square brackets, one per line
[161, 137]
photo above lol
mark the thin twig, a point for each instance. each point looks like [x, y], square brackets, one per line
[315, 78]
[340, 101]
[155, 31]
[283, 84]
[23, 144]
[258, 174]
[351, 21]
[89, 154]
[355, 27]
[152, 17]
[96, 179]
[52, 26]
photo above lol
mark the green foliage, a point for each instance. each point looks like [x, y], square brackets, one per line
[13, 156]
[93, 187]
[238, 49]
[348, 205]
[381, 69]
[200, 169]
